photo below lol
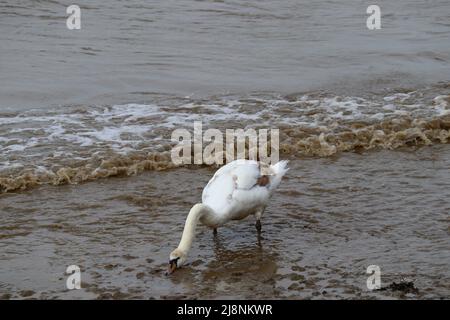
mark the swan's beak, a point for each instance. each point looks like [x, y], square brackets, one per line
[172, 267]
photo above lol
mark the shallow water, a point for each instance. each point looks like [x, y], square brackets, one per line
[85, 134]
[84, 143]
[78, 105]
[331, 219]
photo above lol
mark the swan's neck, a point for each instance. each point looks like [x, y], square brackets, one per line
[199, 210]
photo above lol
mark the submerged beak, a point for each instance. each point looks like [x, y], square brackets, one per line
[172, 266]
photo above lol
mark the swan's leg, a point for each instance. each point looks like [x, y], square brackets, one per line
[258, 225]
[258, 215]
[215, 231]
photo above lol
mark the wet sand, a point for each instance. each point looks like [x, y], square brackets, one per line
[330, 219]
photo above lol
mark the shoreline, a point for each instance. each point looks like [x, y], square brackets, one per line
[342, 209]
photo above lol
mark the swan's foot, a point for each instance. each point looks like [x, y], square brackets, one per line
[215, 231]
[258, 225]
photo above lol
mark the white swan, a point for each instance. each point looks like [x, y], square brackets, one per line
[236, 190]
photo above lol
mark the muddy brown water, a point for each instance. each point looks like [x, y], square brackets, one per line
[330, 219]
[86, 118]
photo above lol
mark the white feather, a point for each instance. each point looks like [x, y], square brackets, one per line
[233, 192]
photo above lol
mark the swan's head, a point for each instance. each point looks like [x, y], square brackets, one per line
[177, 259]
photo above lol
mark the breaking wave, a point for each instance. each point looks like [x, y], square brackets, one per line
[83, 143]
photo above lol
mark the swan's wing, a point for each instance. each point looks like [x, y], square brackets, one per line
[235, 164]
[217, 192]
[238, 186]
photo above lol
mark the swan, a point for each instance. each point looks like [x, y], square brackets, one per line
[237, 190]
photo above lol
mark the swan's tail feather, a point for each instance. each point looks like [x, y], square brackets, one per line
[280, 167]
[279, 170]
